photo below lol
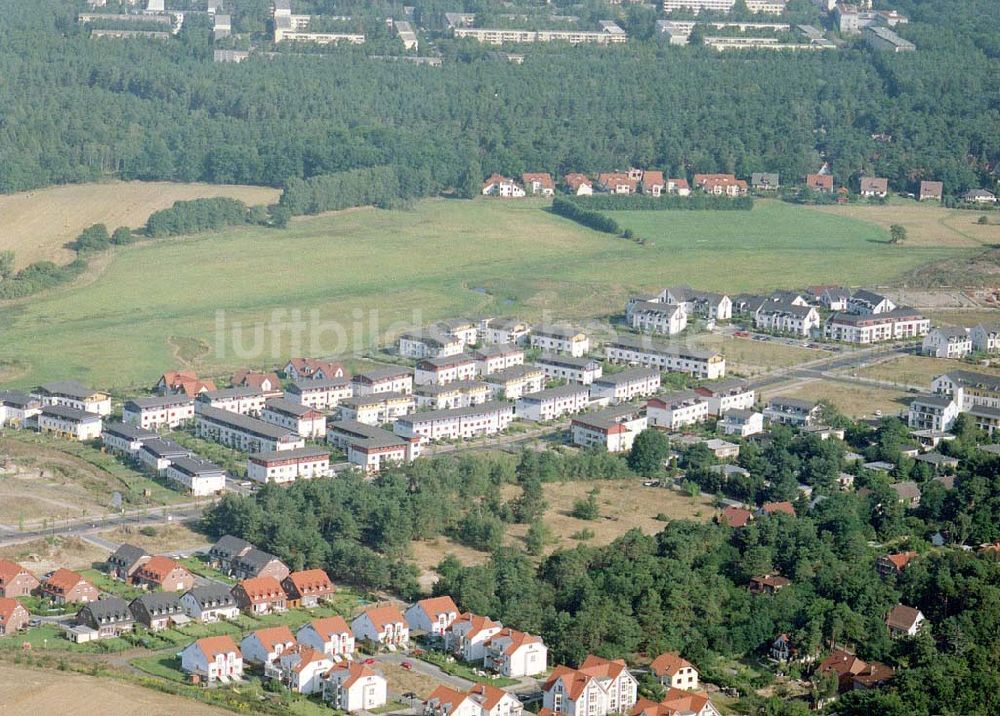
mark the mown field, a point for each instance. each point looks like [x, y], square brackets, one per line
[366, 273]
[38, 224]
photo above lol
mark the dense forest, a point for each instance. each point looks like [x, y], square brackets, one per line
[686, 587]
[76, 109]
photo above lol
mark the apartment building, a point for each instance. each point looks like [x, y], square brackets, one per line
[392, 379]
[512, 383]
[154, 413]
[284, 466]
[321, 394]
[630, 383]
[564, 367]
[69, 423]
[460, 394]
[676, 410]
[553, 403]
[560, 339]
[370, 447]
[446, 369]
[614, 429]
[242, 432]
[241, 400]
[377, 408]
[646, 352]
[457, 423]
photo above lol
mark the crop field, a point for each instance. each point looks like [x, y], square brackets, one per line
[339, 283]
[38, 224]
[28, 692]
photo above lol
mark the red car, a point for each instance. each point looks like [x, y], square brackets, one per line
[369, 661]
[407, 665]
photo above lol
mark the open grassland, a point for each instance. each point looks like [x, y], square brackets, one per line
[855, 400]
[928, 224]
[917, 371]
[171, 538]
[624, 505]
[358, 276]
[38, 224]
[29, 692]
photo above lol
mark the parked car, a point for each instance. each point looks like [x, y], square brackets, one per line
[407, 665]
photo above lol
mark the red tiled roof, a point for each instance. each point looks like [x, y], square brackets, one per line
[158, 568]
[476, 623]
[820, 180]
[7, 607]
[517, 639]
[255, 379]
[736, 516]
[900, 559]
[543, 178]
[272, 636]
[311, 581]
[262, 589]
[652, 177]
[487, 696]
[438, 605]
[444, 695]
[575, 180]
[354, 670]
[902, 617]
[63, 580]
[9, 570]
[383, 616]
[330, 626]
[212, 646]
[771, 508]
[668, 664]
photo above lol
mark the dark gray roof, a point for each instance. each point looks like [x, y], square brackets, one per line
[558, 392]
[194, 467]
[243, 422]
[563, 361]
[481, 409]
[373, 399]
[114, 609]
[307, 451]
[445, 361]
[376, 374]
[17, 399]
[67, 413]
[456, 386]
[513, 373]
[867, 296]
[159, 603]
[159, 447]
[497, 349]
[227, 393]
[69, 388]
[127, 554]
[128, 432]
[255, 559]
[301, 386]
[651, 347]
[785, 307]
[980, 380]
[218, 595]
[797, 403]
[157, 401]
[938, 401]
[287, 407]
[228, 544]
[627, 376]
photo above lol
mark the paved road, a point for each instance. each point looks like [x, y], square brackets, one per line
[82, 528]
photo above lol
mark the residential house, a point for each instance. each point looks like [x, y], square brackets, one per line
[835, 298]
[932, 412]
[158, 610]
[13, 616]
[720, 184]
[986, 338]
[575, 370]
[444, 370]
[947, 342]
[371, 448]
[243, 433]
[598, 688]
[459, 394]
[653, 183]
[73, 394]
[735, 517]
[352, 687]
[377, 408]
[866, 328]
[782, 317]
[69, 423]
[182, 382]
[504, 330]
[866, 302]
[124, 561]
[538, 183]
[874, 187]
[16, 581]
[286, 466]
[578, 184]
[110, 617]
[264, 646]
[266, 383]
[893, 564]
[670, 358]
[163, 573]
[500, 356]
[676, 410]
[764, 181]
[257, 563]
[713, 306]
[503, 187]
[904, 621]
[432, 616]
[260, 595]
[445, 701]
[979, 196]
[156, 412]
[214, 658]
[468, 634]
[515, 654]
[776, 508]
[853, 673]
[391, 379]
[674, 672]
[383, 627]
[329, 635]
[307, 588]
[495, 702]
[743, 423]
[931, 191]
[907, 492]
[299, 369]
[16, 408]
[512, 383]
[792, 411]
[224, 552]
[615, 429]
[676, 702]
[822, 183]
[124, 440]
[210, 603]
[241, 400]
[456, 423]
[553, 403]
[308, 422]
[558, 338]
[429, 343]
[200, 477]
[617, 183]
[624, 386]
[301, 668]
[321, 394]
[768, 584]
[158, 454]
[66, 587]
[656, 317]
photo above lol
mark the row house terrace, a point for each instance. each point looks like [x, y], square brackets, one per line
[377, 408]
[300, 419]
[493, 358]
[511, 383]
[156, 412]
[457, 423]
[241, 400]
[575, 370]
[676, 410]
[560, 339]
[69, 423]
[391, 379]
[371, 448]
[459, 394]
[614, 429]
[446, 369]
[73, 394]
[321, 394]
[125, 440]
[243, 433]
[646, 352]
[626, 385]
[286, 466]
[553, 403]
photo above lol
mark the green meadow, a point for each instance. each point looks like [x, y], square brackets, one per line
[179, 302]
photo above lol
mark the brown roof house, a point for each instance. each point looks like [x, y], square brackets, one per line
[66, 587]
[874, 187]
[163, 573]
[13, 616]
[735, 517]
[307, 588]
[15, 580]
[768, 584]
[931, 191]
[820, 182]
[904, 621]
[258, 563]
[539, 183]
[260, 595]
[124, 561]
[578, 184]
[653, 183]
[893, 564]
[673, 671]
[854, 673]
